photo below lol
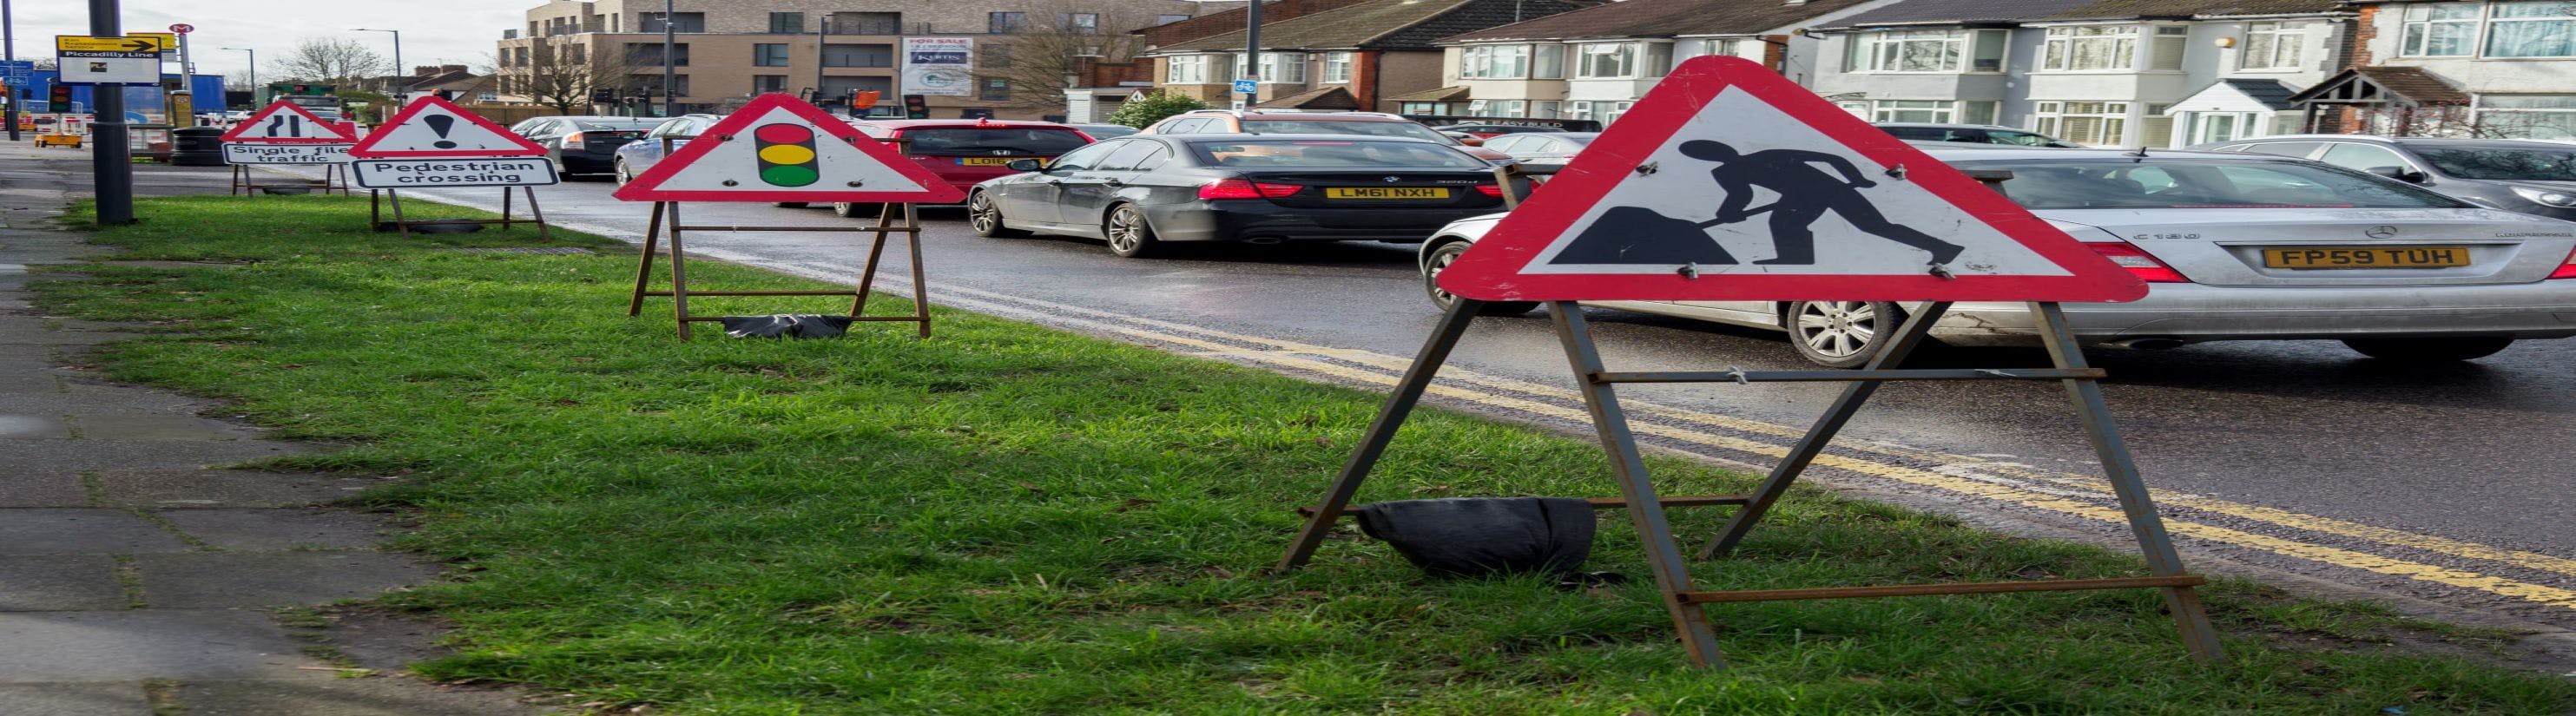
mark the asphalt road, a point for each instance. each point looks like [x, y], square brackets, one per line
[2450, 484]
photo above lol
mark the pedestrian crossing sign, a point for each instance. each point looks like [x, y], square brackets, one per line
[779, 148]
[433, 128]
[284, 122]
[1727, 182]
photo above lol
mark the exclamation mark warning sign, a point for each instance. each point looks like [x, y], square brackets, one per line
[441, 124]
[433, 127]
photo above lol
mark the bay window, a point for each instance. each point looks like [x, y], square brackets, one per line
[1932, 111]
[1199, 69]
[2535, 116]
[2533, 28]
[2273, 46]
[2090, 48]
[2439, 30]
[1606, 60]
[1337, 67]
[1283, 68]
[1906, 51]
[2093, 123]
[1549, 63]
[1494, 62]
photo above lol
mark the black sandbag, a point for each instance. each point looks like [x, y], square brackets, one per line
[1638, 235]
[1478, 536]
[786, 326]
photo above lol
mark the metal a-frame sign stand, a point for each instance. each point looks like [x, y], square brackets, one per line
[781, 149]
[434, 129]
[379, 199]
[335, 177]
[1548, 227]
[286, 123]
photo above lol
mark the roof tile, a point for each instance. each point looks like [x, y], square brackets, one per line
[1660, 18]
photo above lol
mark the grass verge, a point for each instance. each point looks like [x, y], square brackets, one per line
[1015, 520]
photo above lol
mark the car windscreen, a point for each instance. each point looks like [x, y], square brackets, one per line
[614, 125]
[994, 141]
[2502, 162]
[1327, 126]
[1327, 154]
[2185, 183]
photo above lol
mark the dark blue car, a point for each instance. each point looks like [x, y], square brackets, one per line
[640, 154]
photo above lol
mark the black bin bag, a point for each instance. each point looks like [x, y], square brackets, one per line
[786, 326]
[1479, 536]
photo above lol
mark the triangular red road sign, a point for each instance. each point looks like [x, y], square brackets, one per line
[282, 122]
[779, 148]
[433, 127]
[1701, 192]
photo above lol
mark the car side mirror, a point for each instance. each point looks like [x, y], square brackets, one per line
[1024, 165]
[2403, 174]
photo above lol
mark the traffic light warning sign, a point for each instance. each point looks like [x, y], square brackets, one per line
[779, 148]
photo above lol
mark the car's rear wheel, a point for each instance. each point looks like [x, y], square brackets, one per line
[1841, 334]
[1439, 260]
[857, 210]
[788, 204]
[624, 175]
[985, 216]
[1129, 236]
[2428, 350]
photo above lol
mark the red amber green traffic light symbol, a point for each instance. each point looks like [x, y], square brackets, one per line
[786, 154]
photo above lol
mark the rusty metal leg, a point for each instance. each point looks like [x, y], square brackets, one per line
[2162, 559]
[644, 266]
[679, 271]
[1813, 443]
[1408, 391]
[1672, 575]
[534, 211]
[920, 285]
[395, 198]
[237, 181]
[868, 273]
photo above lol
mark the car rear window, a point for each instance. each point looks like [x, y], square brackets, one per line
[2201, 184]
[1319, 153]
[1390, 128]
[2508, 163]
[637, 125]
[1034, 141]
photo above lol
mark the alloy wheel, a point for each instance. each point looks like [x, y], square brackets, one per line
[1838, 329]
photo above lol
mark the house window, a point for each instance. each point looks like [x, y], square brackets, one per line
[1494, 62]
[993, 89]
[1169, 19]
[1003, 23]
[1284, 68]
[1935, 111]
[858, 55]
[787, 23]
[768, 55]
[680, 22]
[1549, 64]
[1684, 50]
[2534, 116]
[2439, 30]
[2544, 28]
[2209, 127]
[2090, 48]
[1612, 111]
[1659, 59]
[1079, 23]
[2273, 46]
[2165, 52]
[1544, 109]
[768, 83]
[1987, 49]
[1910, 51]
[2095, 123]
[1606, 60]
[1186, 70]
[1497, 107]
[867, 23]
[649, 54]
[1337, 67]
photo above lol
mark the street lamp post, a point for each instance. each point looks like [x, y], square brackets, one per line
[400, 77]
[670, 77]
[254, 72]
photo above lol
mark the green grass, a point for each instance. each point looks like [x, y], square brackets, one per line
[1008, 519]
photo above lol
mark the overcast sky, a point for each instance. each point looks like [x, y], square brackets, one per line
[456, 31]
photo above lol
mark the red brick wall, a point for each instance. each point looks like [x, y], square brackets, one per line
[1364, 79]
[1094, 73]
[1232, 20]
[2365, 27]
[1775, 52]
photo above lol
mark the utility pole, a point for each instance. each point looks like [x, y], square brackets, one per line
[670, 76]
[1251, 53]
[822, 33]
[399, 84]
[112, 161]
[254, 71]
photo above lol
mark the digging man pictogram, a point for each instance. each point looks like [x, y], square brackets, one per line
[1806, 194]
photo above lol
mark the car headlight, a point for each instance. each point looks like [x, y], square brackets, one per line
[2546, 197]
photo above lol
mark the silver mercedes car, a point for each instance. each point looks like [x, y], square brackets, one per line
[2232, 247]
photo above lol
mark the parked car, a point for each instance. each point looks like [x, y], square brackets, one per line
[1482, 132]
[1140, 192]
[1373, 124]
[1971, 134]
[584, 145]
[1105, 131]
[637, 155]
[967, 151]
[1542, 147]
[2529, 176]
[2232, 247]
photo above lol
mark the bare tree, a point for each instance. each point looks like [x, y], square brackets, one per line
[330, 60]
[1036, 60]
[562, 75]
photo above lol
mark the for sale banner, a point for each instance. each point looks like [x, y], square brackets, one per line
[939, 65]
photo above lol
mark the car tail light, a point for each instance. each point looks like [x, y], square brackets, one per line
[574, 141]
[1494, 190]
[2566, 269]
[1244, 189]
[2138, 262]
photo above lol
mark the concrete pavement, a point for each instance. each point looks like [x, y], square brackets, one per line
[136, 576]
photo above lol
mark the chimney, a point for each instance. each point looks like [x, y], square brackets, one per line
[423, 70]
[461, 68]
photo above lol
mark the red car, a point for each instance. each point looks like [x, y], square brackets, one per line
[968, 151]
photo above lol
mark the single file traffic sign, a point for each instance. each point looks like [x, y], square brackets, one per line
[284, 122]
[1727, 182]
[779, 148]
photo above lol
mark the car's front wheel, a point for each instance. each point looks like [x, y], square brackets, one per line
[624, 175]
[1129, 236]
[985, 215]
[1841, 334]
[1439, 260]
[2428, 350]
[857, 210]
